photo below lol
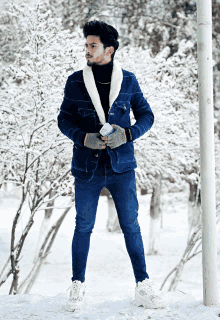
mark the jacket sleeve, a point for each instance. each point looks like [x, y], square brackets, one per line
[67, 118]
[142, 112]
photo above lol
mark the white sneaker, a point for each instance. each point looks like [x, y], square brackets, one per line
[76, 299]
[145, 296]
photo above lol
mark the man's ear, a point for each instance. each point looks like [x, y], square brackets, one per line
[110, 50]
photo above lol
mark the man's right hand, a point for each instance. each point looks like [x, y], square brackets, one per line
[93, 142]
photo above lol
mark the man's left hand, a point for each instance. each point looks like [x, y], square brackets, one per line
[117, 138]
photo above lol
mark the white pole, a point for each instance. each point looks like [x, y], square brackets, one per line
[207, 155]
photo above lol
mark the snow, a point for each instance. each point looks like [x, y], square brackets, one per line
[108, 306]
[110, 282]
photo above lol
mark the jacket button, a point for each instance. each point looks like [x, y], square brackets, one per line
[96, 155]
[124, 107]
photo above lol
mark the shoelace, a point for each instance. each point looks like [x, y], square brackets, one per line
[74, 286]
[76, 291]
[148, 285]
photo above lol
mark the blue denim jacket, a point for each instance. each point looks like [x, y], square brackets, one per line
[81, 112]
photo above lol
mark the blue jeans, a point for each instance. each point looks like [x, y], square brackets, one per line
[122, 187]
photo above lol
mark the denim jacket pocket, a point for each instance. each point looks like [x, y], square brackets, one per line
[83, 112]
[88, 119]
[123, 113]
[124, 153]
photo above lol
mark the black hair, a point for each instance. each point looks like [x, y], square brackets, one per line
[108, 35]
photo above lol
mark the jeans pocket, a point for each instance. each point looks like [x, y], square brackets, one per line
[80, 158]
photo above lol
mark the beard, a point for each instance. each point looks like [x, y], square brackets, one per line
[90, 64]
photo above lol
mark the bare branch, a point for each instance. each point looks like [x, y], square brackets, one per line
[42, 256]
[50, 148]
[193, 255]
[2, 280]
[45, 208]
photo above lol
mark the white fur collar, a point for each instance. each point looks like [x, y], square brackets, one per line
[115, 87]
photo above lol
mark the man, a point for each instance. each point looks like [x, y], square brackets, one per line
[104, 92]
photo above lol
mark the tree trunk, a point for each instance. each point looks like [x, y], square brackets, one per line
[112, 222]
[194, 205]
[155, 215]
[45, 224]
[143, 192]
[207, 152]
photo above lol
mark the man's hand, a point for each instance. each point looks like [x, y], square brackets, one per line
[117, 138]
[93, 142]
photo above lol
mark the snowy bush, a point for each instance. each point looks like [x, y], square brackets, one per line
[171, 147]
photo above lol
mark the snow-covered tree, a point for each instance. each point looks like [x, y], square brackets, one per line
[11, 36]
[32, 148]
[171, 147]
[74, 13]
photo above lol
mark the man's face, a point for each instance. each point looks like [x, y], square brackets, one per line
[95, 52]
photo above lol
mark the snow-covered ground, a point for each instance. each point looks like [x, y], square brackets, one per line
[110, 282]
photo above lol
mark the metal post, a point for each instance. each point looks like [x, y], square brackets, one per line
[207, 155]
